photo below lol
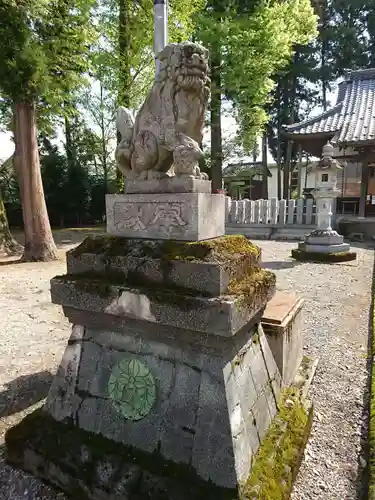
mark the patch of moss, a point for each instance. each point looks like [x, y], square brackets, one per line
[257, 283]
[61, 443]
[371, 470]
[279, 456]
[103, 244]
[255, 339]
[92, 283]
[303, 256]
[215, 250]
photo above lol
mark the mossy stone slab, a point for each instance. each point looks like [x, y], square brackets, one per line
[223, 316]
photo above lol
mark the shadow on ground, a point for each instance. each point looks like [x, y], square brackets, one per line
[23, 392]
[18, 485]
[368, 245]
[65, 236]
[280, 264]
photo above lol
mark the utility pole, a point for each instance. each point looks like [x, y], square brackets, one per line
[160, 28]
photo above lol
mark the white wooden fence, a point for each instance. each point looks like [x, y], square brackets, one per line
[270, 219]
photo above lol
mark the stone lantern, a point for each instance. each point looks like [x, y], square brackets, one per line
[324, 240]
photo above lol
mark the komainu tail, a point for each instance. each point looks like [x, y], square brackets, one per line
[124, 125]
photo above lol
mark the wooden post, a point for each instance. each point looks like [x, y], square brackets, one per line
[364, 186]
[286, 179]
[299, 166]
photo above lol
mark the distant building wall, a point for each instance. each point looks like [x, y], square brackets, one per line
[309, 183]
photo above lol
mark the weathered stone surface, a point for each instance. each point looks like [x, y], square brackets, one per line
[135, 266]
[252, 434]
[168, 185]
[219, 316]
[169, 125]
[183, 402]
[272, 368]
[78, 332]
[113, 472]
[211, 410]
[282, 323]
[246, 390]
[62, 400]
[179, 338]
[258, 368]
[329, 239]
[182, 216]
[85, 262]
[213, 455]
[306, 247]
[262, 416]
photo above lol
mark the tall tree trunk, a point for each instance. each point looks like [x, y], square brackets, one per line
[39, 244]
[323, 55]
[265, 167]
[124, 77]
[291, 107]
[69, 146]
[278, 158]
[8, 245]
[216, 132]
[103, 141]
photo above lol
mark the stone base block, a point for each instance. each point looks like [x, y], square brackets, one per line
[194, 267]
[151, 414]
[176, 216]
[306, 247]
[221, 316]
[282, 323]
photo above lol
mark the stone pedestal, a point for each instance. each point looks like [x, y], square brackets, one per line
[185, 211]
[282, 323]
[168, 385]
[325, 241]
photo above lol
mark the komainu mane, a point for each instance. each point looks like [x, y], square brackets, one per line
[165, 136]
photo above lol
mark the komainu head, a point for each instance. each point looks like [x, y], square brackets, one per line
[186, 64]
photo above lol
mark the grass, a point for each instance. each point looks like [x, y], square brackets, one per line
[371, 490]
[279, 456]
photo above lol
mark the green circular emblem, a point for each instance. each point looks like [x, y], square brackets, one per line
[132, 389]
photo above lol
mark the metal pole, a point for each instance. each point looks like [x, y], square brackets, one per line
[160, 28]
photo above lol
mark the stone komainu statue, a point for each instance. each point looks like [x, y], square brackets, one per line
[168, 129]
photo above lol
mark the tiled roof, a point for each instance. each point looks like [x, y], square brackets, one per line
[352, 119]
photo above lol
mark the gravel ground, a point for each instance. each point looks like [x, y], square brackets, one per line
[34, 333]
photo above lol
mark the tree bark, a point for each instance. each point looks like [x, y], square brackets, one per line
[39, 243]
[324, 50]
[265, 167]
[124, 77]
[69, 147]
[216, 132]
[8, 245]
[103, 141]
[278, 158]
